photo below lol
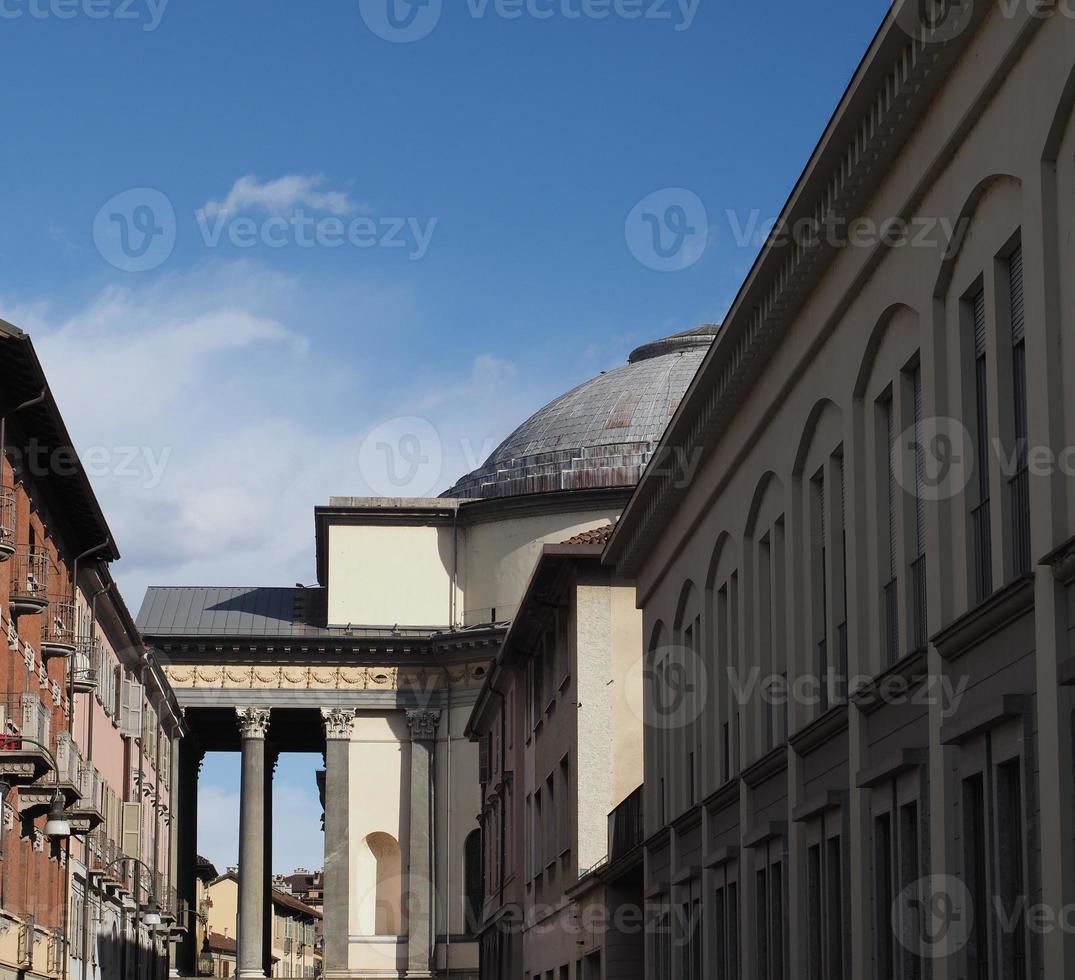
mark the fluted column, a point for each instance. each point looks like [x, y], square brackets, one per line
[253, 725]
[423, 725]
[337, 847]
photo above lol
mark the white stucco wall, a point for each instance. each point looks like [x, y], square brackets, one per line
[389, 575]
[500, 556]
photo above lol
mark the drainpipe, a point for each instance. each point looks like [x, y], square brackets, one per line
[86, 917]
[74, 597]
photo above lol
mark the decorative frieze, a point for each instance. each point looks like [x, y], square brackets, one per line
[423, 725]
[322, 678]
[338, 722]
[253, 722]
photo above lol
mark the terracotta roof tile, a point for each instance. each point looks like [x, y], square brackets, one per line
[599, 535]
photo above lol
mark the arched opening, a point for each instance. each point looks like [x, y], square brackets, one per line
[381, 868]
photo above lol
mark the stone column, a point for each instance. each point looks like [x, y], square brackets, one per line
[337, 924]
[423, 725]
[253, 724]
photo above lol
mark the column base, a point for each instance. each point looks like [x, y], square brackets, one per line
[251, 974]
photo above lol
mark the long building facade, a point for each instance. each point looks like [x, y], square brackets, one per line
[859, 611]
[88, 725]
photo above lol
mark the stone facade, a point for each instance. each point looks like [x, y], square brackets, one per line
[880, 525]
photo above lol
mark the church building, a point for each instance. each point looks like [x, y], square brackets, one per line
[380, 666]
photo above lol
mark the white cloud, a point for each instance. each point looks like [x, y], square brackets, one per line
[281, 196]
[215, 422]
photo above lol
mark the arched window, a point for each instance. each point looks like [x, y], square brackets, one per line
[473, 896]
[381, 870]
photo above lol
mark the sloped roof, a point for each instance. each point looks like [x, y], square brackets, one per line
[598, 535]
[243, 611]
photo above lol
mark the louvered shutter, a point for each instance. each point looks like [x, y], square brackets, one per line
[1015, 285]
[979, 323]
[890, 420]
[919, 465]
[132, 830]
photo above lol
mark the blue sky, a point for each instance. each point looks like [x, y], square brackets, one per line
[228, 375]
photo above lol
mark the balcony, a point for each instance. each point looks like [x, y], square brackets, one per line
[30, 580]
[22, 764]
[1019, 488]
[86, 815]
[626, 826]
[981, 535]
[58, 629]
[919, 633]
[7, 522]
[890, 623]
[66, 780]
[85, 667]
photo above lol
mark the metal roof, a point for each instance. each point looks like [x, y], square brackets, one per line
[600, 434]
[244, 611]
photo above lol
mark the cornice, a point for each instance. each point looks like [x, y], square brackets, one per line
[893, 87]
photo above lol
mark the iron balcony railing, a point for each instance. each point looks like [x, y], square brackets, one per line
[58, 634]
[890, 622]
[918, 604]
[824, 677]
[626, 826]
[86, 664]
[841, 654]
[7, 522]
[1019, 487]
[983, 551]
[30, 579]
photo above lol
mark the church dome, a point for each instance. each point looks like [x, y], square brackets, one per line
[600, 434]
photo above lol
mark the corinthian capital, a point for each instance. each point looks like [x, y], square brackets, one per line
[253, 722]
[338, 722]
[423, 725]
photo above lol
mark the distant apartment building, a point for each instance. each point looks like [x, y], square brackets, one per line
[292, 932]
[864, 596]
[87, 723]
[559, 723]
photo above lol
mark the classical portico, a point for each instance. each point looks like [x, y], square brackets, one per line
[392, 741]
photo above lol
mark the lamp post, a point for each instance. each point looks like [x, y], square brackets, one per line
[151, 913]
[206, 965]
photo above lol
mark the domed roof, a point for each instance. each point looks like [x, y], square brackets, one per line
[600, 434]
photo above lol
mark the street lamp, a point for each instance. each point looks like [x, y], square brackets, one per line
[205, 957]
[151, 912]
[57, 826]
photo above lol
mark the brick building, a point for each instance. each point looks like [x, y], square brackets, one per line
[88, 722]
